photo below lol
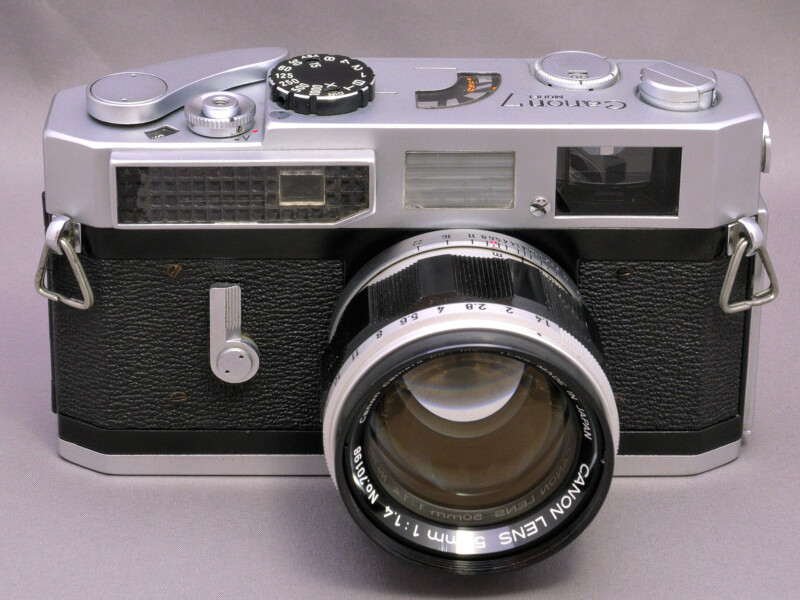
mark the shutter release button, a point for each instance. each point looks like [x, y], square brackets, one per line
[573, 70]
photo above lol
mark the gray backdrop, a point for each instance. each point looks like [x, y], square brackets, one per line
[67, 532]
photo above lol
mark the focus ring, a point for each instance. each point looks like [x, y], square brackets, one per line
[453, 278]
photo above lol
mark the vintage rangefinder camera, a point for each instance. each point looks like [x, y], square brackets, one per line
[470, 290]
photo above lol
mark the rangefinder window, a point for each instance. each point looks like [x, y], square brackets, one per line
[301, 187]
[459, 180]
[613, 180]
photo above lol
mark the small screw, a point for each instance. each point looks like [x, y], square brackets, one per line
[280, 114]
[540, 207]
[624, 272]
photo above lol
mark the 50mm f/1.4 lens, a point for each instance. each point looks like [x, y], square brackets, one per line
[468, 424]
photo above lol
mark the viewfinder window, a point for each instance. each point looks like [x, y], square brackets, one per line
[614, 180]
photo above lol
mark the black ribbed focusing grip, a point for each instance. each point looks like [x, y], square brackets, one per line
[393, 294]
[465, 277]
[483, 278]
[448, 279]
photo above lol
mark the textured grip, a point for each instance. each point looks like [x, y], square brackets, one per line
[139, 358]
[233, 309]
[448, 279]
[459, 276]
[481, 278]
[389, 297]
[673, 358]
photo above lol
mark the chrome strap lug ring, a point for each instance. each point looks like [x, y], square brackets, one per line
[745, 238]
[63, 238]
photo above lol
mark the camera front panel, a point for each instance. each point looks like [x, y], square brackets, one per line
[132, 374]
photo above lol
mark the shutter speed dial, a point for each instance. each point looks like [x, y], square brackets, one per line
[322, 84]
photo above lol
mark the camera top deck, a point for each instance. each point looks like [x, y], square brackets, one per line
[565, 141]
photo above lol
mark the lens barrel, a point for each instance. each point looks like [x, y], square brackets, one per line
[468, 424]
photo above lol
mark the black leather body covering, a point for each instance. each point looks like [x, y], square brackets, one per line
[139, 358]
[673, 357]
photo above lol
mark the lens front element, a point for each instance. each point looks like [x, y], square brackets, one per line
[470, 432]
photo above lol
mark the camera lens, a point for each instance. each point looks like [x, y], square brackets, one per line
[468, 423]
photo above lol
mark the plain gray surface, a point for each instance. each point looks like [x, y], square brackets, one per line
[66, 532]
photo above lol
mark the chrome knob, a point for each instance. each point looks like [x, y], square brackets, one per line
[574, 70]
[220, 114]
[678, 86]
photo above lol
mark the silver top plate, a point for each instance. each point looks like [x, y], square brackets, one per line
[721, 146]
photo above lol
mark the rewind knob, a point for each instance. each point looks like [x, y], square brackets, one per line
[220, 114]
